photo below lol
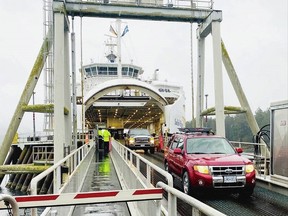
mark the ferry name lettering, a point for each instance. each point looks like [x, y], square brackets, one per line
[164, 90]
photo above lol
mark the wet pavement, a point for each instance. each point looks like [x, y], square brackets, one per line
[102, 176]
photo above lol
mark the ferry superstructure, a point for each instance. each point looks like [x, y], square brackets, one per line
[130, 101]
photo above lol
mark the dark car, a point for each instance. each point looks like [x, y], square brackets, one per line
[140, 138]
[202, 160]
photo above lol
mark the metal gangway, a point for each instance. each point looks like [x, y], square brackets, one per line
[136, 187]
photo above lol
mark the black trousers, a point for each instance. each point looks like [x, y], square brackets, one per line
[106, 148]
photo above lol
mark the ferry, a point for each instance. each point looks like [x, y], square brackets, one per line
[120, 101]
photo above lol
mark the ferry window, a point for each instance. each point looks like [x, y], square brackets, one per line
[102, 70]
[93, 71]
[124, 71]
[135, 73]
[88, 72]
[112, 70]
[130, 72]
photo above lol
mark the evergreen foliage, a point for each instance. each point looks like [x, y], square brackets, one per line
[236, 126]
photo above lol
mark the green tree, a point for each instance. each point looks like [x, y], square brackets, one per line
[262, 117]
[237, 127]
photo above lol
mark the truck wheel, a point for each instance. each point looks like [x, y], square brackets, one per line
[152, 150]
[186, 184]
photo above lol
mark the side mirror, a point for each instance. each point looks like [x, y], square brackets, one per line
[239, 150]
[177, 151]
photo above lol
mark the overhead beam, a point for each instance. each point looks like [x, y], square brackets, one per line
[93, 9]
[206, 26]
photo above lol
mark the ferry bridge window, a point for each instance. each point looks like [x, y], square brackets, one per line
[93, 71]
[88, 72]
[130, 72]
[135, 73]
[112, 70]
[124, 71]
[102, 70]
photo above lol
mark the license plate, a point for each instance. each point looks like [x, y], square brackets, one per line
[229, 179]
[142, 145]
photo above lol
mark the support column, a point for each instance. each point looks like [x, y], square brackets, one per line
[24, 100]
[67, 92]
[62, 96]
[239, 90]
[74, 87]
[218, 79]
[200, 81]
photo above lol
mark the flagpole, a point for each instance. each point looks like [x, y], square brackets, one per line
[119, 68]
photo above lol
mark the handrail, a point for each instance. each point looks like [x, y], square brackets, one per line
[158, 169]
[72, 161]
[37, 178]
[197, 4]
[123, 152]
[196, 204]
[257, 157]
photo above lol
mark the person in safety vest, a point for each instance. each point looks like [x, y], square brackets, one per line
[106, 138]
[100, 140]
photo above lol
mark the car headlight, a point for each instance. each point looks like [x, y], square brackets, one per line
[249, 168]
[131, 140]
[202, 169]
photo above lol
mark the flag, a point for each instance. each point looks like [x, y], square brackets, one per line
[125, 30]
[112, 30]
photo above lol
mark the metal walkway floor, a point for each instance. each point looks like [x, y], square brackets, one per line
[102, 176]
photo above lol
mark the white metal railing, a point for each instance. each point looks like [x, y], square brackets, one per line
[39, 138]
[133, 160]
[195, 4]
[197, 206]
[43, 154]
[42, 138]
[256, 152]
[71, 161]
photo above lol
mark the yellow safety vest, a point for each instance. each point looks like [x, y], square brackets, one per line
[106, 135]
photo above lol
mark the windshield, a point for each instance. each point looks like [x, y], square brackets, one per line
[139, 132]
[209, 145]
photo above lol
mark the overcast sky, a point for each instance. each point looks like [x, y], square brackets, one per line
[254, 32]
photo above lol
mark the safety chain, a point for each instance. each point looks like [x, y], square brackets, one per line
[9, 209]
[25, 212]
[10, 213]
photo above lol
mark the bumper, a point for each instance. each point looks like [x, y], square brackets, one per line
[223, 182]
[140, 146]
